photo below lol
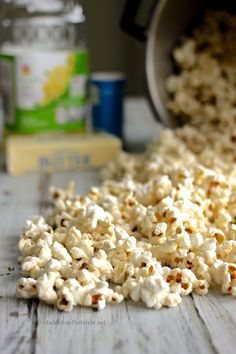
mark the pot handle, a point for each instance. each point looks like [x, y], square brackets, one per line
[128, 20]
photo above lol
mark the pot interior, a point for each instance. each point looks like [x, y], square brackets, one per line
[170, 20]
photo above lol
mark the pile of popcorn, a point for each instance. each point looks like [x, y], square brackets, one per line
[204, 88]
[161, 226]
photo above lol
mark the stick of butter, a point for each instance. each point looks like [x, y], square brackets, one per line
[47, 152]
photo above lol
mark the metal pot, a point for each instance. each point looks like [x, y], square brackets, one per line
[166, 21]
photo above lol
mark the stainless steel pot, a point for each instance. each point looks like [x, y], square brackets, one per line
[166, 21]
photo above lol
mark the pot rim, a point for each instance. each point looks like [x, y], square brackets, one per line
[160, 111]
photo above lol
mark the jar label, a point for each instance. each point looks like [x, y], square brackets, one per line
[44, 91]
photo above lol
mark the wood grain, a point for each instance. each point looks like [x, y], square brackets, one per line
[19, 199]
[218, 313]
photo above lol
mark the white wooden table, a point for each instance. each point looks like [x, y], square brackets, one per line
[199, 325]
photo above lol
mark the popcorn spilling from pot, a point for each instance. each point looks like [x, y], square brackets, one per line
[163, 224]
[204, 87]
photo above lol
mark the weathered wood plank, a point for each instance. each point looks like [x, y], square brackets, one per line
[123, 328]
[175, 330]
[85, 331]
[17, 325]
[19, 199]
[218, 313]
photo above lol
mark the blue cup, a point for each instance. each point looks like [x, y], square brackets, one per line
[107, 92]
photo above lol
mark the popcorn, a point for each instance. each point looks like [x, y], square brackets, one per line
[54, 265]
[201, 287]
[43, 250]
[101, 265]
[72, 238]
[163, 223]
[31, 266]
[225, 276]
[122, 271]
[154, 291]
[172, 300]
[181, 281]
[65, 300]
[196, 240]
[77, 253]
[45, 288]
[100, 294]
[208, 250]
[132, 288]
[26, 246]
[60, 252]
[26, 288]
[85, 277]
